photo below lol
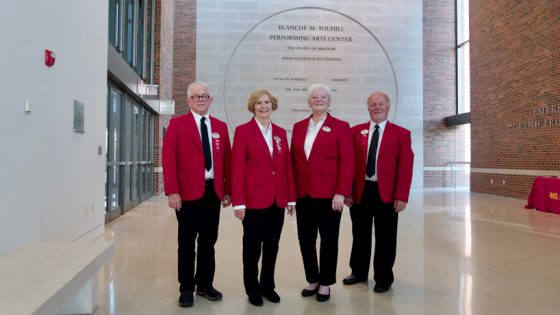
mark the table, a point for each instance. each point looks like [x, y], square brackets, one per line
[545, 195]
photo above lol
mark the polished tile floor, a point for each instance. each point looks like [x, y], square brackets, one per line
[458, 253]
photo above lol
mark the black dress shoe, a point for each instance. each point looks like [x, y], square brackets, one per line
[323, 297]
[256, 299]
[352, 279]
[306, 293]
[272, 296]
[186, 299]
[381, 288]
[210, 293]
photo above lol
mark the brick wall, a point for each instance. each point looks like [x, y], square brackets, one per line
[163, 73]
[505, 185]
[515, 92]
[174, 64]
[164, 45]
[442, 145]
[184, 59]
[147, 40]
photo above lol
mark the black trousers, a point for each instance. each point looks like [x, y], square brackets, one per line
[198, 220]
[314, 216]
[385, 221]
[261, 234]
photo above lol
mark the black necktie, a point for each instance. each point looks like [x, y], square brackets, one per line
[205, 144]
[370, 168]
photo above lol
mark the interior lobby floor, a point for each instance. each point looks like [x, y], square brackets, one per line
[458, 253]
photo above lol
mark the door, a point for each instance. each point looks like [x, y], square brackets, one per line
[113, 169]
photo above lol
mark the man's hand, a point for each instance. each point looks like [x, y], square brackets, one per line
[174, 201]
[240, 214]
[399, 205]
[227, 201]
[349, 201]
[291, 210]
[338, 203]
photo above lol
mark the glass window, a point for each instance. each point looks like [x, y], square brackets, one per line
[127, 152]
[113, 139]
[463, 79]
[135, 141]
[463, 58]
[129, 141]
[115, 23]
[462, 21]
[462, 177]
[140, 44]
[129, 35]
[151, 145]
[114, 187]
[138, 113]
[127, 31]
[113, 150]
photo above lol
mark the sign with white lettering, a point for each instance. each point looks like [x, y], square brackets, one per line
[148, 89]
[355, 49]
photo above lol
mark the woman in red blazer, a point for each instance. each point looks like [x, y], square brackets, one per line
[262, 187]
[323, 167]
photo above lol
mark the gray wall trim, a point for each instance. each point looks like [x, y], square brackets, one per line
[121, 70]
[502, 171]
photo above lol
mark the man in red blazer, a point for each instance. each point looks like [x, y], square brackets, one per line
[383, 175]
[196, 174]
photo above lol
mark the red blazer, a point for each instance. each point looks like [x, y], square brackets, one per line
[257, 178]
[394, 162]
[183, 158]
[330, 168]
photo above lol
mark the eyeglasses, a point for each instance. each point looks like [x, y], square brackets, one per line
[203, 97]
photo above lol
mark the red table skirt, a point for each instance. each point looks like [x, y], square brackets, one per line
[545, 195]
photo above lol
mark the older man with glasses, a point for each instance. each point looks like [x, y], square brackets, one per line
[196, 173]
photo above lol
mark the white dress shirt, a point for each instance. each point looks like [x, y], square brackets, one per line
[312, 132]
[267, 134]
[207, 174]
